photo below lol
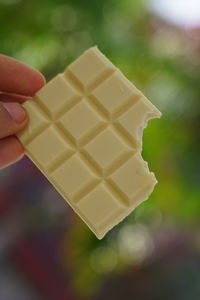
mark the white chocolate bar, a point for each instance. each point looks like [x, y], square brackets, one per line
[84, 134]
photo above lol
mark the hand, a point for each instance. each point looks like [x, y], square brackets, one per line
[18, 83]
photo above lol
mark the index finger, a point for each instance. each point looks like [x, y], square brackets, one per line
[18, 78]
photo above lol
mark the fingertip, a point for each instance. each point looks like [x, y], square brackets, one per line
[38, 82]
[11, 150]
[13, 118]
[16, 111]
[19, 78]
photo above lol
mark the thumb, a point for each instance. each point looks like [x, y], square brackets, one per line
[13, 118]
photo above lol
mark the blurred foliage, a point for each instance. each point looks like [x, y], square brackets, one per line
[162, 61]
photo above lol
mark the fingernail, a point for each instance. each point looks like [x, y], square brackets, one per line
[16, 111]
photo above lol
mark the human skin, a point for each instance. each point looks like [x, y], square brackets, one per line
[18, 83]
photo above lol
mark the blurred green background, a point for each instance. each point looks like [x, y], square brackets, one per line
[155, 252]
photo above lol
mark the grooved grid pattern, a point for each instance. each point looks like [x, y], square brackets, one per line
[77, 121]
